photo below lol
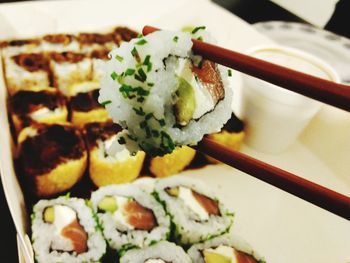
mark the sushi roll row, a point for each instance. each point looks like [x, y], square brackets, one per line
[171, 220]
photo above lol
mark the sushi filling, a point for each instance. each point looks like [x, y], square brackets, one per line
[202, 206]
[103, 147]
[69, 235]
[200, 88]
[128, 214]
[226, 254]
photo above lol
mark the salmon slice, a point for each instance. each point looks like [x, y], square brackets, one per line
[211, 206]
[209, 75]
[244, 258]
[140, 217]
[76, 233]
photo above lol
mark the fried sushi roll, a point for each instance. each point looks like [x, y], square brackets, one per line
[224, 249]
[130, 217]
[69, 68]
[59, 43]
[25, 71]
[98, 59]
[40, 105]
[84, 105]
[231, 135]
[94, 41]
[52, 158]
[64, 230]
[105, 169]
[172, 163]
[195, 211]
[163, 95]
[161, 252]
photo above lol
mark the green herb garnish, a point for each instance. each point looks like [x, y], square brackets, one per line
[135, 54]
[196, 29]
[141, 76]
[200, 38]
[139, 111]
[104, 103]
[114, 75]
[121, 140]
[229, 72]
[141, 42]
[129, 72]
[119, 58]
[175, 39]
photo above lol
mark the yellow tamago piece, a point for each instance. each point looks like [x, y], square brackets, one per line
[172, 163]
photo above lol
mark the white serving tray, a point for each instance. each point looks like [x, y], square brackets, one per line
[281, 227]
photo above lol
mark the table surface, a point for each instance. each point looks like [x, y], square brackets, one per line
[263, 10]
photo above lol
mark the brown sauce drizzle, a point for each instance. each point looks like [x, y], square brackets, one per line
[85, 101]
[25, 102]
[70, 57]
[100, 131]
[59, 38]
[94, 38]
[210, 205]
[20, 42]
[53, 145]
[140, 217]
[208, 73]
[76, 233]
[31, 61]
[124, 34]
[100, 54]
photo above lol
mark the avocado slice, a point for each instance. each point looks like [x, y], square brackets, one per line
[174, 191]
[186, 103]
[211, 257]
[108, 204]
[49, 215]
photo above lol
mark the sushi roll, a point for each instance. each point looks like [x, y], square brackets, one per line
[196, 212]
[160, 252]
[39, 105]
[123, 34]
[105, 169]
[84, 104]
[69, 68]
[94, 41]
[224, 249]
[166, 96]
[99, 57]
[130, 217]
[52, 158]
[231, 135]
[171, 163]
[25, 71]
[59, 43]
[64, 230]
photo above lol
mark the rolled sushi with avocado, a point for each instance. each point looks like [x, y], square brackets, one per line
[130, 217]
[161, 252]
[196, 212]
[64, 230]
[224, 249]
[162, 94]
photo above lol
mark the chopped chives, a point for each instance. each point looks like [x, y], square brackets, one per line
[161, 122]
[139, 111]
[148, 116]
[135, 54]
[129, 72]
[175, 39]
[119, 58]
[141, 42]
[200, 38]
[104, 103]
[114, 75]
[150, 84]
[140, 99]
[141, 76]
[155, 133]
[121, 140]
[229, 72]
[196, 29]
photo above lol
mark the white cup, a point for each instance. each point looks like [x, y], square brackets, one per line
[274, 116]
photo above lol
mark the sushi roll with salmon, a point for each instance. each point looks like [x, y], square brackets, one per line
[162, 94]
[224, 249]
[64, 230]
[84, 106]
[39, 105]
[52, 158]
[160, 252]
[69, 68]
[59, 43]
[171, 163]
[105, 169]
[25, 71]
[129, 216]
[195, 211]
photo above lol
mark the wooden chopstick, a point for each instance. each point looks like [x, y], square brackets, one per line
[316, 194]
[322, 90]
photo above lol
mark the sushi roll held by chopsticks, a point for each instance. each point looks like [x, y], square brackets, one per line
[162, 94]
[105, 169]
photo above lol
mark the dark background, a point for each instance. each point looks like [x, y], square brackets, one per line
[250, 10]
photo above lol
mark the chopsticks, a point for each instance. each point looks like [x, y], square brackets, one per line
[329, 92]
[316, 194]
